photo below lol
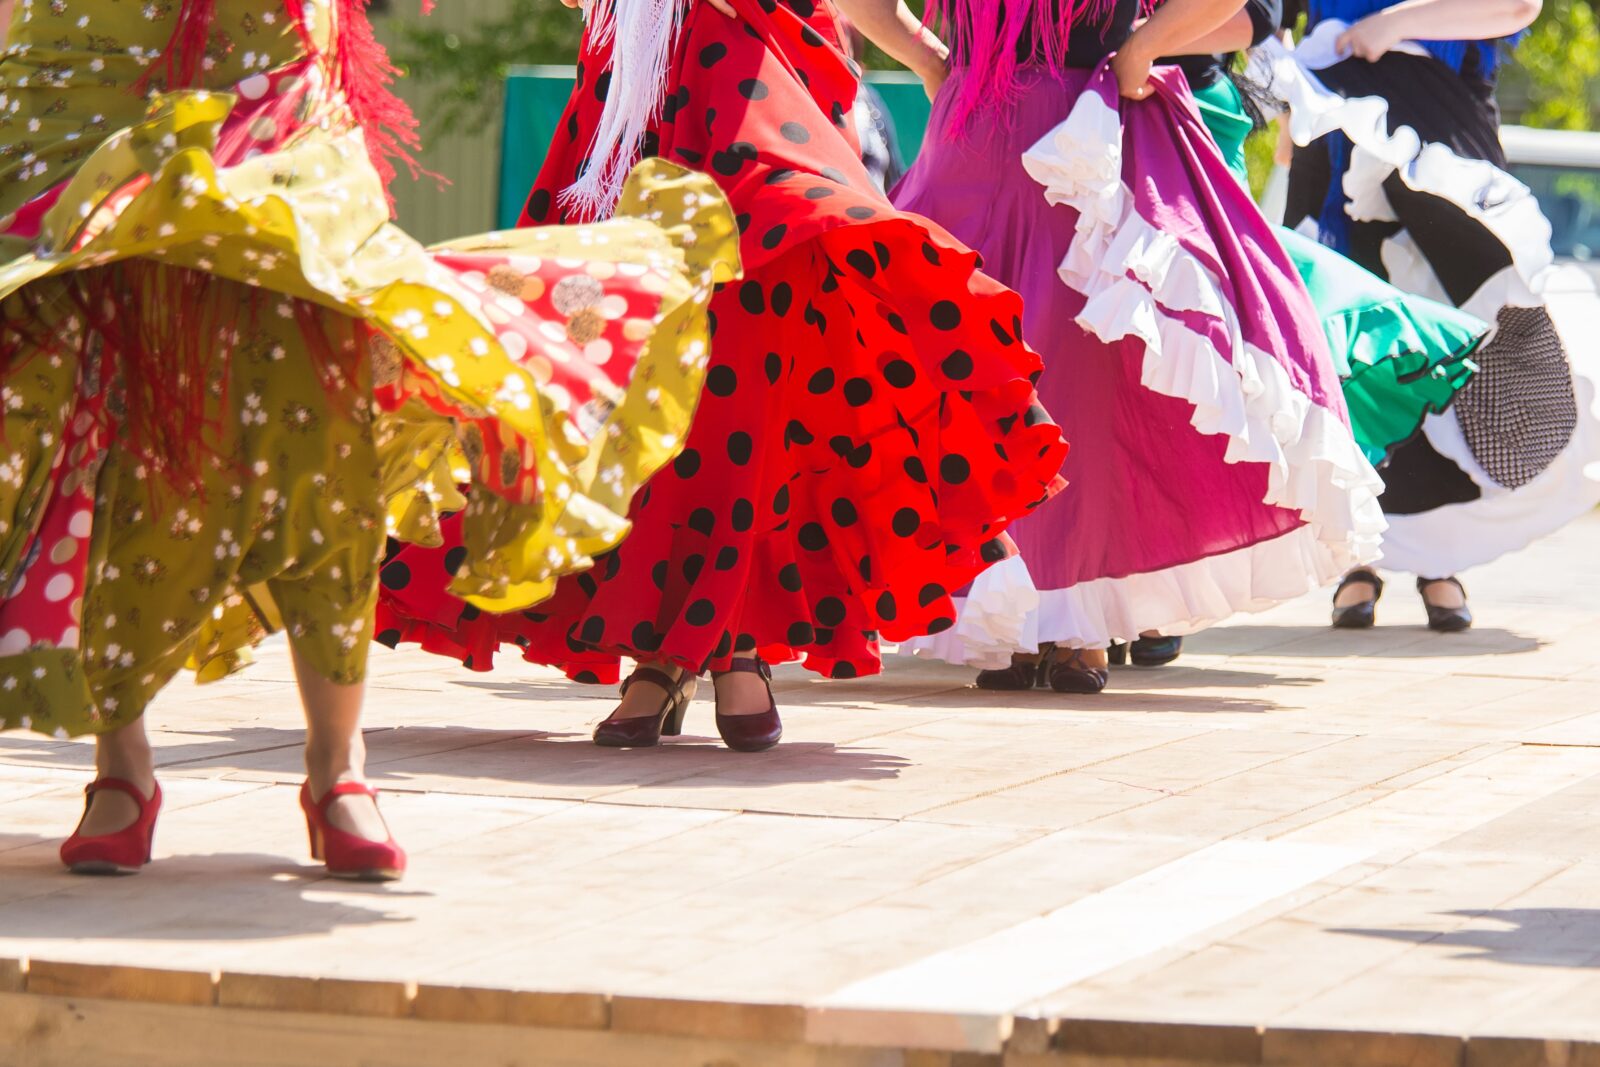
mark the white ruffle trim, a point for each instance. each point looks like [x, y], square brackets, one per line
[1503, 205]
[1132, 275]
[1457, 537]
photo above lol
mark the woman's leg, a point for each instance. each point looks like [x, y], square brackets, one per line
[335, 749]
[123, 753]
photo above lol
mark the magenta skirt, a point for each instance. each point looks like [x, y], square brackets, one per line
[1212, 469]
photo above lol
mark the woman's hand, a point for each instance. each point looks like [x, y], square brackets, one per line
[1370, 38]
[1132, 68]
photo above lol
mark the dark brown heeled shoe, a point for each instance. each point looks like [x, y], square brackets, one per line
[1363, 614]
[646, 731]
[1020, 676]
[1069, 674]
[751, 733]
[1445, 620]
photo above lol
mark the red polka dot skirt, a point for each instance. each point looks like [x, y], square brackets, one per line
[869, 426]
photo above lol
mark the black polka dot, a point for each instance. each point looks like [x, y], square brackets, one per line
[900, 374]
[687, 465]
[779, 175]
[818, 192]
[844, 512]
[834, 174]
[602, 86]
[745, 643]
[896, 323]
[864, 568]
[813, 538]
[1000, 333]
[693, 564]
[740, 448]
[789, 577]
[645, 637]
[830, 611]
[388, 638]
[782, 298]
[453, 560]
[727, 558]
[658, 574]
[780, 501]
[843, 670]
[811, 37]
[821, 381]
[801, 634]
[906, 522]
[754, 89]
[857, 391]
[861, 260]
[860, 456]
[587, 583]
[774, 367]
[860, 212]
[930, 253]
[957, 366]
[945, 315]
[396, 575]
[594, 630]
[586, 678]
[724, 646]
[702, 521]
[751, 298]
[915, 471]
[954, 469]
[940, 625]
[930, 593]
[700, 613]
[793, 131]
[722, 381]
[743, 219]
[539, 205]
[713, 54]
[797, 433]
[744, 515]
[886, 607]
[774, 237]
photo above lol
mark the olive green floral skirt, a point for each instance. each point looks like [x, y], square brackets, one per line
[226, 378]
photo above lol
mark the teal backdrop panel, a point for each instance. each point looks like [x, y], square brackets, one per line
[535, 97]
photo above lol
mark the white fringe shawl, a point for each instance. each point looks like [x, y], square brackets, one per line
[643, 34]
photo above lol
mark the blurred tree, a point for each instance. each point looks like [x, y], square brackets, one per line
[1554, 80]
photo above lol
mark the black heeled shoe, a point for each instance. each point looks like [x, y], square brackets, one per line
[1071, 675]
[1117, 654]
[1020, 676]
[1361, 616]
[1445, 620]
[1155, 651]
[751, 733]
[646, 731]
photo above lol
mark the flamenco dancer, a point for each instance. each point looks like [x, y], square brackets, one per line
[225, 375]
[1402, 357]
[1401, 168]
[867, 430]
[1214, 469]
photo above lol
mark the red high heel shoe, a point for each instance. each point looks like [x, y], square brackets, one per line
[124, 852]
[347, 855]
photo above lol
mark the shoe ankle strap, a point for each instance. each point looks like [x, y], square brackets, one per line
[673, 687]
[749, 665]
[121, 785]
[344, 789]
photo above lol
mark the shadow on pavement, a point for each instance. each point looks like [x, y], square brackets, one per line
[1537, 937]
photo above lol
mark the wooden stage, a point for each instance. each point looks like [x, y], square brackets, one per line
[1295, 848]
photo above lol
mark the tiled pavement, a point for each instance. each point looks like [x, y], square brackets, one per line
[1293, 831]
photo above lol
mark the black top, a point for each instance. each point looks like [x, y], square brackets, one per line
[1090, 42]
[1265, 18]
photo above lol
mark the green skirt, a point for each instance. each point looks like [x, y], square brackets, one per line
[1402, 357]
